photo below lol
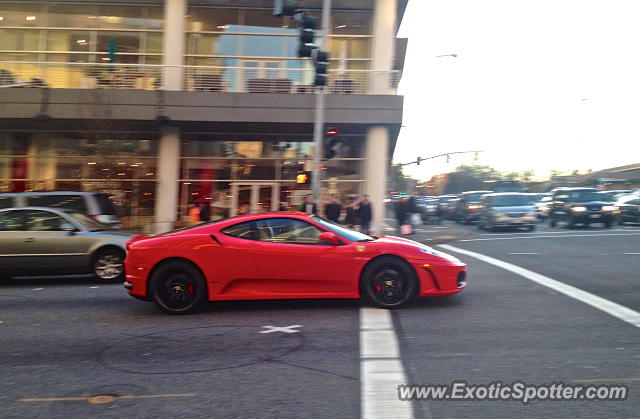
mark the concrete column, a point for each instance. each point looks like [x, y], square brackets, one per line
[383, 46]
[168, 172]
[173, 44]
[375, 173]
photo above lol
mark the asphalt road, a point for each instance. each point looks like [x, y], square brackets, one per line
[81, 348]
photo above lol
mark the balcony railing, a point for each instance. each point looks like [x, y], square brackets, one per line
[192, 78]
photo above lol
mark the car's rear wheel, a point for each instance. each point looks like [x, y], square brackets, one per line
[532, 227]
[552, 221]
[389, 282]
[177, 287]
[608, 224]
[108, 265]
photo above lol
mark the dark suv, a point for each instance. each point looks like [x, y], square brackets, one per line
[468, 207]
[580, 206]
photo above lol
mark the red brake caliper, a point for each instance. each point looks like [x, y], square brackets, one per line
[190, 288]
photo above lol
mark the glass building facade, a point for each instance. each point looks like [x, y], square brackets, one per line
[80, 45]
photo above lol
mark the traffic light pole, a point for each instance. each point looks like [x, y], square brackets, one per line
[420, 159]
[318, 125]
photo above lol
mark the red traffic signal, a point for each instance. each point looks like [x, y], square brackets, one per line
[333, 131]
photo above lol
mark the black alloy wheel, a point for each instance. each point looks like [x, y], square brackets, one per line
[389, 282]
[177, 287]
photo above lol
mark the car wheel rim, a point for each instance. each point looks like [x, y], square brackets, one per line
[108, 266]
[177, 291]
[388, 286]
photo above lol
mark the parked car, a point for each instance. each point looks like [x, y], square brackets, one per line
[429, 209]
[580, 206]
[282, 256]
[629, 207]
[93, 204]
[542, 207]
[509, 209]
[46, 241]
[468, 206]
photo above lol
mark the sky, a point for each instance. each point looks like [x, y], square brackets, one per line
[542, 85]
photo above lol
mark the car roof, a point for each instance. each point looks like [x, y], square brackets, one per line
[84, 193]
[50, 209]
[576, 189]
[508, 193]
[470, 192]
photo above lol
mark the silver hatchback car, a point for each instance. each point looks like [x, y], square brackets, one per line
[48, 241]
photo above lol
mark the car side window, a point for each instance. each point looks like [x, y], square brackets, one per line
[246, 230]
[288, 230]
[74, 202]
[6, 201]
[11, 221]
[43, 221]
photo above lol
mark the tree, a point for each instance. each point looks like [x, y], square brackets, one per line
[470, 177]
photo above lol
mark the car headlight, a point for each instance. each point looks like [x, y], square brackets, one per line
[610, 208]
[579, 209]
[530, 214]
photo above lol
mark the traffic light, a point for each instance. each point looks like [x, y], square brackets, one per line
[303, 178]
[448, 158]
[330, 142]
[321, 64]
[285, 7]
[418, 161]
[307, 25]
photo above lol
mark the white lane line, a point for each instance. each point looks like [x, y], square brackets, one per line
[38, 289]
[93, 288]
[381, 369]
[547, 237]
[524, 253]
[614, 309]
[551, 232]
[632, 253]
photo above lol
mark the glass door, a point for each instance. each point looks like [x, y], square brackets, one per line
[252, 198]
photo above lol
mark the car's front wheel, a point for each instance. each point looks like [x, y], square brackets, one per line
[108, 265]
[177, 287]
[389, 282]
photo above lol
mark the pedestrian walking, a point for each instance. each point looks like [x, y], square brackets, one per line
[401, 216]
[365, 214]
[193, 213]
[205, 211]
[333, 210]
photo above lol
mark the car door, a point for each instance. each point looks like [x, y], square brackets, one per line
[294, 262]
[51, 246]
[12, 245]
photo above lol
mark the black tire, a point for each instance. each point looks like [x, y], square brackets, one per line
[570, 222]
[177, 287]
[389, 282]
[532, 227]
[108, 264]
[552, 222]
[607, 224]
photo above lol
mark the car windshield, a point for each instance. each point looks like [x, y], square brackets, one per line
[347, 233]
[86, 222]
[475, 197]
[510, 200]
[584, 195]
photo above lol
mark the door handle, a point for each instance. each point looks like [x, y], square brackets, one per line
[29, 240]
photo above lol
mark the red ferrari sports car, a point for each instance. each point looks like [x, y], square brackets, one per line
[284, 255]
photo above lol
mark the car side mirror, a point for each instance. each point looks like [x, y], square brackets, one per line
[330, 238]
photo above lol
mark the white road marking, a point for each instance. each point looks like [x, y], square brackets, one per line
[616, 310]
[94, 287]
[284, 329]
[38, 289]
[381, 369]
[632, 253]
[551, 232]
[524, 253]
[548, 237]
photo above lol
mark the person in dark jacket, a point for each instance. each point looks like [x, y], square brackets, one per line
[205, 211]
[365, 214]
[401, 212]
[308, 206]
[351, 217]
[333, 210]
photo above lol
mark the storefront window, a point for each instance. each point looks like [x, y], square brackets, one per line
[19, 39]
[71, 16]
[351, 23]
[211, 19]
[153, 43]
[120, 17]
[25, 14]
[261, 17]
[124, 41]
[61, 40]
